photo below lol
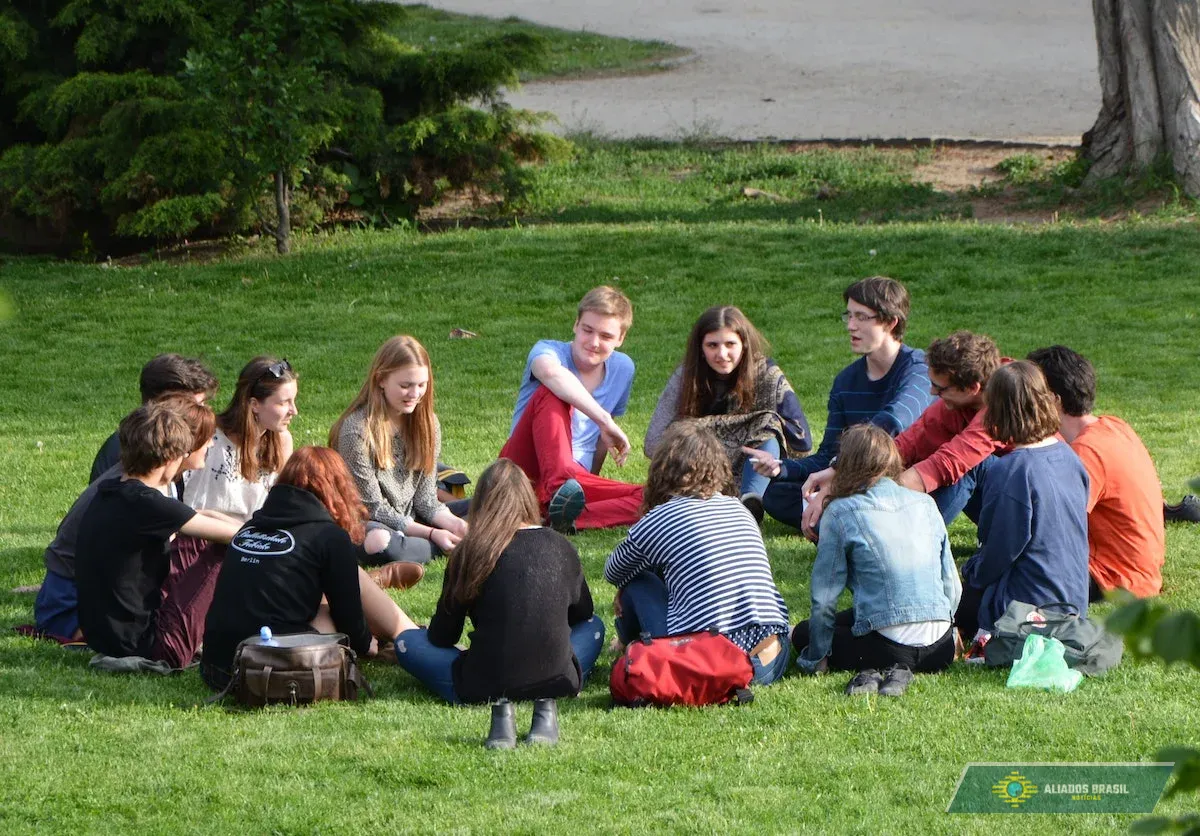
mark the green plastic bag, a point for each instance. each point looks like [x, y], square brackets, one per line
[1042, 665]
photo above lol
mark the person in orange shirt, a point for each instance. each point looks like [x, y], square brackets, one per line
[1126, 541]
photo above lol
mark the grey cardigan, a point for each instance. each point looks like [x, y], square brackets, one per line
[393, 497]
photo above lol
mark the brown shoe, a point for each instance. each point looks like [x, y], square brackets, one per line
[398, 575]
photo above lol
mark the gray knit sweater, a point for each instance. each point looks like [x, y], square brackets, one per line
[393, 497]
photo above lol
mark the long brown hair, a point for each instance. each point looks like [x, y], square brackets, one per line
[866, 454]
[700, 381]
[689, 461]
[416, 430]
[259, 379]
[503, 502]
[321, 472]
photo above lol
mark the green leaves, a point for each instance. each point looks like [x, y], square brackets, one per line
[1151, 629]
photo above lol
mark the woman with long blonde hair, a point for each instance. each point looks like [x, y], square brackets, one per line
[390, 439]
[535, 634]
[889, 545]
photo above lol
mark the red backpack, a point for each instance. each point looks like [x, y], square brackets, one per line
[693, 669]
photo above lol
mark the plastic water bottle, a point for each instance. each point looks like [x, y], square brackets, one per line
[264, 635]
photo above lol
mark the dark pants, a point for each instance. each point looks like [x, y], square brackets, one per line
[875, 650]
[187, 595]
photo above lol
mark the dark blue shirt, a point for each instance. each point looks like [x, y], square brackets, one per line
[893, 402]
[1032, 532]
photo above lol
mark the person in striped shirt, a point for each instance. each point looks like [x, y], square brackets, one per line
[888, 386]
[696, 560]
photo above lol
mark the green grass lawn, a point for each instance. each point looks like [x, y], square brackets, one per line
[570, 53]
[99, 754]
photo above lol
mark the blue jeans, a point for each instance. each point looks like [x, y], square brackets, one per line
[432, 666]
[644, 610]
[751, 481]
[965, 495]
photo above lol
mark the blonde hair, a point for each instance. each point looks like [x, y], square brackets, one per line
[607, 301]
[416, 430]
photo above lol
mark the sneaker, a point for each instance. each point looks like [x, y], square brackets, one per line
[896, 680]
[864, 682]
[1188, 510]
[753, 503]
[565, 506]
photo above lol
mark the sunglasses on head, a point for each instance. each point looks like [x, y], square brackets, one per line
[277, 370]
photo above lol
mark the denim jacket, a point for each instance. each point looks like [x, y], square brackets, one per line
[889, 546]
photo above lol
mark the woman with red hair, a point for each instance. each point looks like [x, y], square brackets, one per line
[294, 568]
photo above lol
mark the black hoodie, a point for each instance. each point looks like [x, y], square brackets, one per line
[278, 566]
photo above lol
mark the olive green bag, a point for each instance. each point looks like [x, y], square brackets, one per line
[1090, 649]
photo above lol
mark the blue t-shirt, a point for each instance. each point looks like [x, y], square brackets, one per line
[612, 394]
[1032, 532]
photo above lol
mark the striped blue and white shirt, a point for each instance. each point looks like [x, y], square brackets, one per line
[711, 555]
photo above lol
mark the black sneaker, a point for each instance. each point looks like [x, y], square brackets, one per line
[896, 680]
[565, 506]
[1188, 510]
[864, 682]
[753, 503]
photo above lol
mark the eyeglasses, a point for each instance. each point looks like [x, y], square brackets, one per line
[858, 316]
[937, 390]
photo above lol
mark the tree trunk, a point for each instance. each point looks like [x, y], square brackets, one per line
[1150, 86]
[283, 229]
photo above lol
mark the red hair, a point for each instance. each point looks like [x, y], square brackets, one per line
[321, 472]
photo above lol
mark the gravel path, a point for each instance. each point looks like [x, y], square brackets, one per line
[792, 69]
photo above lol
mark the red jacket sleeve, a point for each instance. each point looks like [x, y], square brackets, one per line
[952, 459]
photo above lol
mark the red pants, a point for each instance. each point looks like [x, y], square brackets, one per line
[541, 446]
[187, 595]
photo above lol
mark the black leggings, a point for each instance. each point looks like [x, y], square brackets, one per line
[875, 650]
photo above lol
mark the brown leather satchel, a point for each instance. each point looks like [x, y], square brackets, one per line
[295, 669]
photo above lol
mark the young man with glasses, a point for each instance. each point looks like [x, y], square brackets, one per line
[888, 386]
[947, 451]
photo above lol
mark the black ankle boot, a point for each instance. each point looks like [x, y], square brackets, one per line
[544, 728]
[503, 734]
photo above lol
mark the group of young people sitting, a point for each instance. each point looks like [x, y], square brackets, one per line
[199, 529]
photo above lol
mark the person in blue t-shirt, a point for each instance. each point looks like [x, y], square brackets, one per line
[1033, 520]
[888, 386]
[564, 424]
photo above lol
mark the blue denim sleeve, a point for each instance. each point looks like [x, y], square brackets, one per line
[828, 580]
[951, 585]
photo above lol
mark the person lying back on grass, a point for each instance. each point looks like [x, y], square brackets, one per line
[887, 544]
[123, 568]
